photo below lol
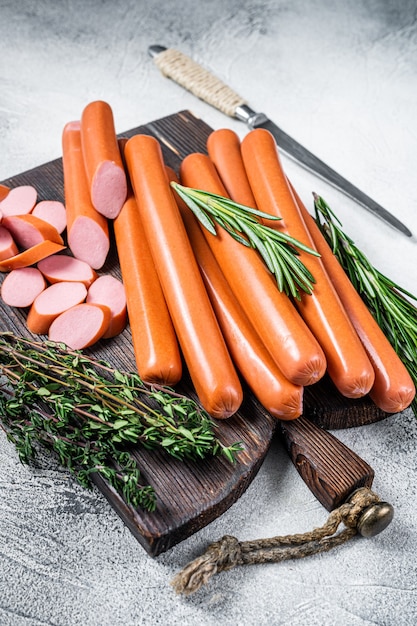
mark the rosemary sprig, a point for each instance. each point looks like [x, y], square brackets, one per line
[388, 302]
[279, 251]
[89, 414]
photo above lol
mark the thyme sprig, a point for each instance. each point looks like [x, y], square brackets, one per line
[90, 414]
[390, 304]
[279, 251]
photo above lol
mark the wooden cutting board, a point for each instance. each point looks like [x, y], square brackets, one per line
[190, 495]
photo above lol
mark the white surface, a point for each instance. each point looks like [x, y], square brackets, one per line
[341, 78]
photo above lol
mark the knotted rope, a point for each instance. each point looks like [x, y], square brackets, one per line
[228, 552]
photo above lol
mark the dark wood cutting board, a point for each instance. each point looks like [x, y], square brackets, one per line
[190, 495]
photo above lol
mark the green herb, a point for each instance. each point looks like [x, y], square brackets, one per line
[89, 414]
[388, 302]
[279, 251]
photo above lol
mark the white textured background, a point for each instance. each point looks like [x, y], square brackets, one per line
[341, 77]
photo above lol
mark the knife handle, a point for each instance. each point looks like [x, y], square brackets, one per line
[196, 79]
[331, 470]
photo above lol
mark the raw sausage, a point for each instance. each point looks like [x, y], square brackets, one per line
[102, 159]
[277, 395]
[53, 212]
[3, 192]
[223, 146]
[8, 247]
[31, 256]
[155, 344]
[210, 366]
[108, 290]
[347, 362]
[51, 302]
[28, 230]
[22, 286]
[393, 389]
[62, 267]
[87, 230]
[286, 336]
[19, 201]
[80, 326]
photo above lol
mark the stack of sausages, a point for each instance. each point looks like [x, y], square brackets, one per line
[203, 299]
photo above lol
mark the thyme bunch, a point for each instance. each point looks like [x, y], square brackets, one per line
[89, 414]
[279, 251]
[390, 304]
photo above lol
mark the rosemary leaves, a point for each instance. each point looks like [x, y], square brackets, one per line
[278, 250]
[389, 303]
[89, 414]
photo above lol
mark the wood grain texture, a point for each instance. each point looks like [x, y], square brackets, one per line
[190, 495]
[331, 469]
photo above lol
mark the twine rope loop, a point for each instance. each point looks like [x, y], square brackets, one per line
[200, 82]
[228, 552]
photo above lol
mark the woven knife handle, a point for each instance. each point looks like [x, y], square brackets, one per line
[199, 81]
[331, 470]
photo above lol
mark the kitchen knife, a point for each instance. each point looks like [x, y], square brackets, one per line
[206, 86]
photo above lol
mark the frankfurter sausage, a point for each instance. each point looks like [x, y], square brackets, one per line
[3, 192]
[28, 230]
[155, 344]
[8, 247]
[103, 163]
[110, 291]
[347, 362]
[223, 146]
[276, 394]
[87, 230]
[53, 212]
[210, 366]
[19, 200]
[62, 267]
[30, 256]
[393, 389]
[80, 326]
[22, 286]
[286, 336]
[51, 302]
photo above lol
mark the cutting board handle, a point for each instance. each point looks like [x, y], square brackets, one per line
[331, 470]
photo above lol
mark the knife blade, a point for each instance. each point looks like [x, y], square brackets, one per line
[203, 84]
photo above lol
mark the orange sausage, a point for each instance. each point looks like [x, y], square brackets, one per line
[223, 147]
[110, 291]
[155, 344]
[28, 230]
[31, 255]
[80, 326]
[19, 200]
[3, 192]
[393, 389]
[63, 267]
[53, 212]
[210, 366]
[103, 162]
[22, 286]
[347, 362]
[277, 395]
[51, 302]
[8, 247]
[286, 336]
[87, 230]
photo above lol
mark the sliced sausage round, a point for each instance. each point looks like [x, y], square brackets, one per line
[110, 291]
[19, 201]
[53, 301]
[22, 286]
[81, 326]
